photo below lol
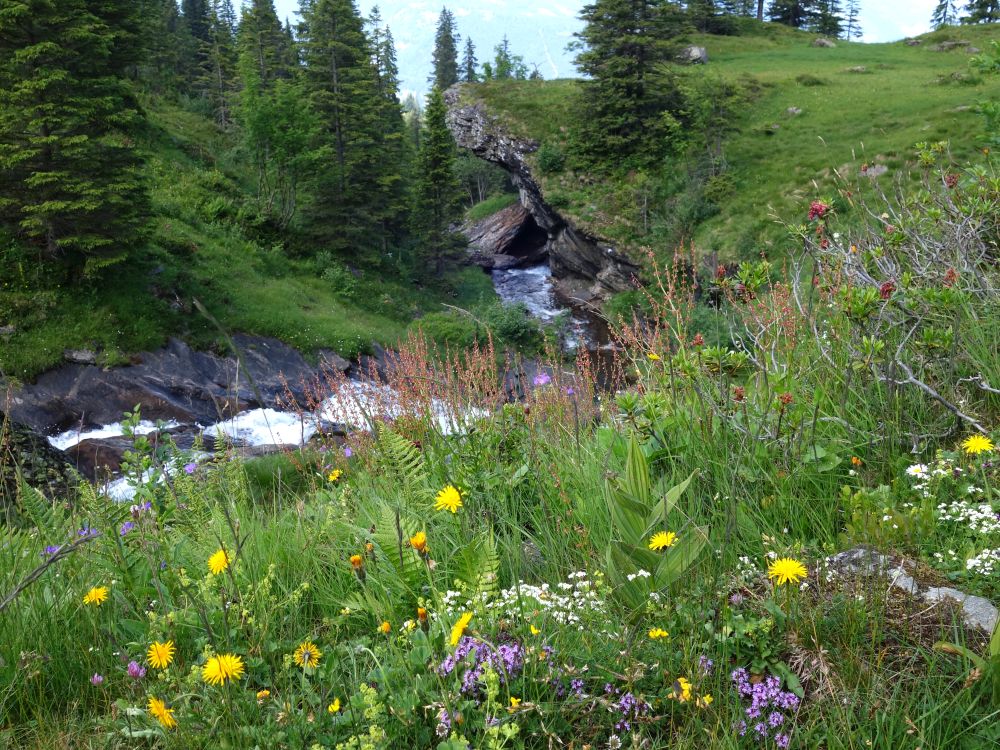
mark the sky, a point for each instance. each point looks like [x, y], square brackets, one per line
[540, 29]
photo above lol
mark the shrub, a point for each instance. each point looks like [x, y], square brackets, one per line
[551, 159]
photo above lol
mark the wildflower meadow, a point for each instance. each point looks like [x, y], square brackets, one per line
[638, 551]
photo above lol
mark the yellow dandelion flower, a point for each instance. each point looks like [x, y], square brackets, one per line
[334, 707]
[459, 630]
[704, 701]
[661, 540]
[385, 628]
[160, 655]
[786, 570]
[976, 444]
[334, 475]
[307, 655]
[419, 542]
[653, 357]
[222, 668]
[263, 695]
[657, 633]
[96, 596]
[218, 562]
[161, 713]
[449, 499]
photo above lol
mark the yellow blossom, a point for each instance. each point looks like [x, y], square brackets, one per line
[656, 633]
[786, 570]
[704, 701]
[514, 703]
[222, 668]
[976, 444]
[96, 596]
[459, 629]
[682, 689]
[334, 475]
[534, 630]
[385, 627]
[419, 542]
[161, 713]
[334, 707]
[218, 562]
[160, 655]
[307, 655]
[449, 499]
[653, 356]
[661, 540]
[263, 695]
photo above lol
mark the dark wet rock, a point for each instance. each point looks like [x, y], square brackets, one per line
[508, 239]
[173, 383]
[570, 250]
[43, 467]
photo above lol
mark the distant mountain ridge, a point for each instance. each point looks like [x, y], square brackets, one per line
[539, 32]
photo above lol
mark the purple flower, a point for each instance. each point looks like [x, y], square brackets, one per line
[126, 528]
[348, 452]
[97, 679]
[135, 670]
[542, 378]
[782, 740]
[88, 531]
[569, 390]
[190, 468]
[50, 550]
[736, 599]
[705, 665]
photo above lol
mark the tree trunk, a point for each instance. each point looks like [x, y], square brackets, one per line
[760, 10]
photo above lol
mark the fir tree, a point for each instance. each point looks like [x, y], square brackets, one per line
[827, 18]
[701, 13]
[262, 39]
[72, 181]
[219, 81]
[622, 48]
[438, 192]
[445, 57]
[197, 16]
[340, 81]
[982, 11]
[852, 25]
[506, 65]
[945, 14]
[469, 62]
[794, 13]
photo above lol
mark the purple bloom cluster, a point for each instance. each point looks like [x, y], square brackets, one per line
[126, 528]
[506, 659]
[135, 670]
[768, 707]
[705, 665]
[50, 550]
[629, 707]
[542, 378]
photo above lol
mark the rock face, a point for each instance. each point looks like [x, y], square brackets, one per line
[507, 239]
[571, 252]
[174, 383]
[42, 466]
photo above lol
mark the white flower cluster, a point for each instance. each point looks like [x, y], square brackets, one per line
[925, 475]
[565, 603]
[985, 563]
[979, 517]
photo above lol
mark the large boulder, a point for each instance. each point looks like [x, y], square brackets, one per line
[693, 55]
[823, 42]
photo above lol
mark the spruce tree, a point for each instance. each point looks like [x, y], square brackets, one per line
[982, 11]
[852, 25]
[262, 39]
[341, 84]
[469, 62]
[438, 192]
[219, 79]
[392, 156]
[445, 57]
[622, 48]
[701, 13]
[506, 65]
[794, 13]
[827, 18]
[168, 44]
[945, 14]
[72, 181]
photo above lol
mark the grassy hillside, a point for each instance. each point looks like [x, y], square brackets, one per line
[777, 161]
[209, 244]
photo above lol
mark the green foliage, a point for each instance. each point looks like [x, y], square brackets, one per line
[445, 56]
[551, 159]
[73, 183]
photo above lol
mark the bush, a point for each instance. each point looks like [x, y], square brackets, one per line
[551, 159]
[807, 79]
